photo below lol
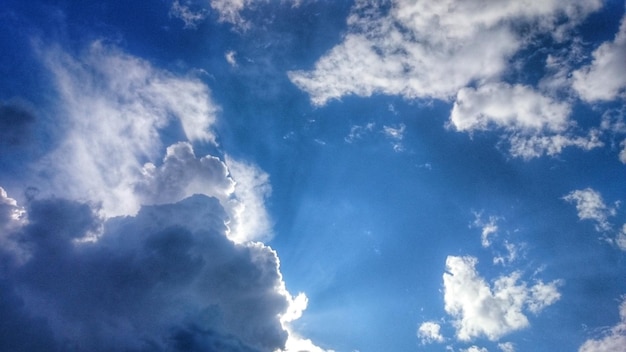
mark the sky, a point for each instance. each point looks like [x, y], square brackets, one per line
[312, 175]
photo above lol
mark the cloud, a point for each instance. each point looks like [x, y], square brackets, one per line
[489, 228]
[230, 58]
[534, 146]
[511, 107]
[591, 206]
[429, 332]
[396, 134]
[16, 123]
[492, 311]
[112, 108]
[359, 131]
[475, 349]
[167, 279]
[615, 338]
[604, 78]
[620, 240]
[506, 347]
[187, 15]
[426, 50]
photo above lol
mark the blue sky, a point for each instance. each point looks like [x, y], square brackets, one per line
[311, 175]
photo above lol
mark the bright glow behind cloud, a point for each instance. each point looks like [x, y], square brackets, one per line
[114, 106]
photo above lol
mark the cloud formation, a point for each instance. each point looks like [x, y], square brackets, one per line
[604, 78]
[426, 50]
[167, 279]
[491, 311]
[591, 206]
[429, 332]
[112, 107]
[615, 338]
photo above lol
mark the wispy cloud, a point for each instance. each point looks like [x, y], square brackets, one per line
[591, 206]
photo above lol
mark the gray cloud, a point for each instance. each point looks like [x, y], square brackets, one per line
[167, 279]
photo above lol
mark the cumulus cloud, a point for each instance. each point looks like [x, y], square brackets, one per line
[604, 78]
[167, 279]
[112, 107]
[491, 311]
[429, 332]
[511, 107]
[591, 206]
[614, 339]
[428, 50]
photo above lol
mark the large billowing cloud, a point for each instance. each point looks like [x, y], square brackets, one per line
[491, 311]
[167, 279]
[604, 78]
[615, 338]
[113, 108]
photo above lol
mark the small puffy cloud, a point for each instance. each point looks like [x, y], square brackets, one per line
[428, 50]
[614, 339]
[167, 279]
[506, 347]
[489, 227]
[396, 134]
[604, 78]
[429, 332]
[492, 311]
[190, 17]
[230, 58]
[475, 349]
[591, 206]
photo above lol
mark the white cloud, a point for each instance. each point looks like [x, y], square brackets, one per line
[622, 153]
[620, 240]
[534, 146]
[615, 338]
[188, 16]
[396, 134]
[429, 332]
[475, 349]
[506, 347]
[112, 107]
[489, 228]
[492, 311]
[591, 206]
[429, 50]
[359, 131]
[511, 107]
[230, 58]
[604, 78]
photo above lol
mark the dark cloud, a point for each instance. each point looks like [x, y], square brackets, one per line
[16, 122]
[167, 279]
